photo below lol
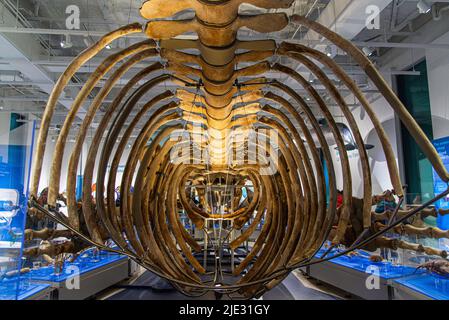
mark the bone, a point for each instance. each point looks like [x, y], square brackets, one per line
[221, 14]
[63, 80]
[215, 107]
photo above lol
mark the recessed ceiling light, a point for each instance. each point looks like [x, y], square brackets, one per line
[423, 7]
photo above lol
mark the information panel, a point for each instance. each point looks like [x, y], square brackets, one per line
[439, 186]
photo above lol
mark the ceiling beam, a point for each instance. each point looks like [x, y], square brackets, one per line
[19, 50]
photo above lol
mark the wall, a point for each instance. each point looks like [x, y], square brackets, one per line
[5, 119]
[379, 169]
[15, 143]
[438, 68]
[46, 166]
[399, 59]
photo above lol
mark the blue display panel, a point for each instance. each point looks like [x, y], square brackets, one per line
[90, 260]
[439, 186]
[430, 285]
[16, 145]
[20, 290]
[360, 261]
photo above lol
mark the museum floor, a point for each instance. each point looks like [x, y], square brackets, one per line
[296, 286]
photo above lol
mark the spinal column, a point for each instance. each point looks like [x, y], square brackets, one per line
[226, 102]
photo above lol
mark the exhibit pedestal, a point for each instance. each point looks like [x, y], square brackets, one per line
[402, 292]
[46, 292]
[350, 280]
[425, 286]
[92, 282]
[133, 267]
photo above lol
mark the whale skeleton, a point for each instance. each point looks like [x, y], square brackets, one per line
[194, 135]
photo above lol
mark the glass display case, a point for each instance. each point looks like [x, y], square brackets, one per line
[425, 241]
[388, 267]
[16, 145]
[412, 256]
[87, 261]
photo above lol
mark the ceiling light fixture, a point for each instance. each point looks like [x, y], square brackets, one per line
[87, 42]
[311, 78]
[368, 51]
[423, 7]
[328, 51]
[66, 43]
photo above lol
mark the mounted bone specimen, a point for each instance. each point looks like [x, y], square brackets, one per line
[195, 152]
